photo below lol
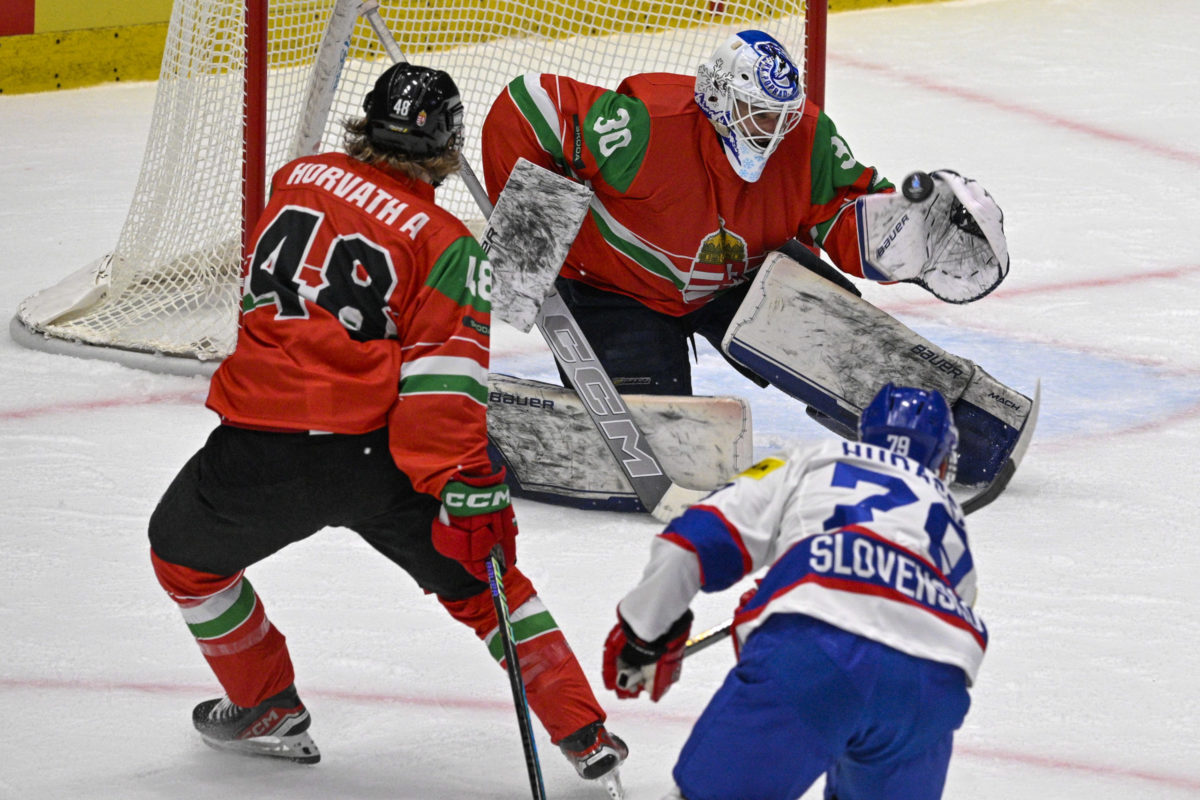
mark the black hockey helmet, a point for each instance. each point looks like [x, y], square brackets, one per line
[416, 110]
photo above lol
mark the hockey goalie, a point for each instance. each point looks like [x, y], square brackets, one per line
[711, 194]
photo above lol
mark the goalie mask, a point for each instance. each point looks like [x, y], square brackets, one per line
[751, 91]
[414, 110]
[914, 423]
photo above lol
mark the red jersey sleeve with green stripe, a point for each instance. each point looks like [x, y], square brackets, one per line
[671, 224]
[438, 425]
[557, 123]
[838, 179]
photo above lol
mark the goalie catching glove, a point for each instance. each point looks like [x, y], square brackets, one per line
[632, 664]
[476, 515]
[947, 237]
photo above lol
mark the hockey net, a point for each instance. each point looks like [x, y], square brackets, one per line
[171, 288]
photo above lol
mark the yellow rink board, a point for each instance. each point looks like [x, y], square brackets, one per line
[58, 58]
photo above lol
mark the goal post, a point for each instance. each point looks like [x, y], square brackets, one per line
[247, 85]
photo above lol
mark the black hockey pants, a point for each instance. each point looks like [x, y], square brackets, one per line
[247, 494]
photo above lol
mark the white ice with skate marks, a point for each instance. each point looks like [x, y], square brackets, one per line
[1086, 564]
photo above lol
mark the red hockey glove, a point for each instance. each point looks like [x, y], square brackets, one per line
[476, 516]
[743, 601]
[631, 663]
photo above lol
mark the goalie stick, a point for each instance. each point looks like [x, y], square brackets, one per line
[705, 639]
[655, 490]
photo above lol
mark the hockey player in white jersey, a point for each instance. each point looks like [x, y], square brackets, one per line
[856, 650]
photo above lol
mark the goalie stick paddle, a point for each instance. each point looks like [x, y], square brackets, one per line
[707, 638]
[513, 667]
[628, 444]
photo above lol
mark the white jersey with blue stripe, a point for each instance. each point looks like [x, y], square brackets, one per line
[855, 535]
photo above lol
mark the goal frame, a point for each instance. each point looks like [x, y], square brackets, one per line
[89, 286]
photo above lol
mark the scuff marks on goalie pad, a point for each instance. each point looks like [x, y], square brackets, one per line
[554, 453]
[536, 218]
[832, 351]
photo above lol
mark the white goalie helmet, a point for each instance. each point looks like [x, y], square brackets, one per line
[753, 93]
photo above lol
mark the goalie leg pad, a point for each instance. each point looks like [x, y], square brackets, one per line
[543, 435]
[832, 351]
[990, 418]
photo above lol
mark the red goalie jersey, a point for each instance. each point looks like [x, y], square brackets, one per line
[364, 305]
[671, 223]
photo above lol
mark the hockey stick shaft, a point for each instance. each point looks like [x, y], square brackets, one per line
[707, 638]
[370, 10]
[624, 438]
[512, 664]
[513, 667]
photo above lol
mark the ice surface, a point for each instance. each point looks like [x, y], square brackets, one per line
[1082, 117]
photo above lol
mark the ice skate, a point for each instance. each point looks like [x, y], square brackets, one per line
[596, 755]
[276, 727]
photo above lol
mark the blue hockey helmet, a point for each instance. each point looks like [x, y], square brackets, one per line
[914, 423]
[752, 91]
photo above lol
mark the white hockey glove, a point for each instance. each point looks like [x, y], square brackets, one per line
[941, 231]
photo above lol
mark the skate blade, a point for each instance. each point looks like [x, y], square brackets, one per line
[611, 781]
[299, 748]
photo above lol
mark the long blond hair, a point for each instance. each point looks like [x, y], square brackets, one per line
[431, 169]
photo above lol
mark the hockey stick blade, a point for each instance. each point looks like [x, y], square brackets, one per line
[1009, 468]
[993, 490]
[675, 500]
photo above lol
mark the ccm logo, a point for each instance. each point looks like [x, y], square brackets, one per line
[476, 501]
[264, 724]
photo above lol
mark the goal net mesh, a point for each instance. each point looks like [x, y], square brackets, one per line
[171, 284]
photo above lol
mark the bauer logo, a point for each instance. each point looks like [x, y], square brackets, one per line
[891, 237]
[939, 362]
[509, 399]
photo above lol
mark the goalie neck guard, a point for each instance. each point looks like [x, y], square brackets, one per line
[751, 91]
[914, 423]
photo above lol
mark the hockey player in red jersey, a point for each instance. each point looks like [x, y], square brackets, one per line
[356, 397]
[684, 212]
[697, 180]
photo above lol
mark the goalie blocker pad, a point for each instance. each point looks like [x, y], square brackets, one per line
[529, 232]
[832, 351]
[554, 453]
